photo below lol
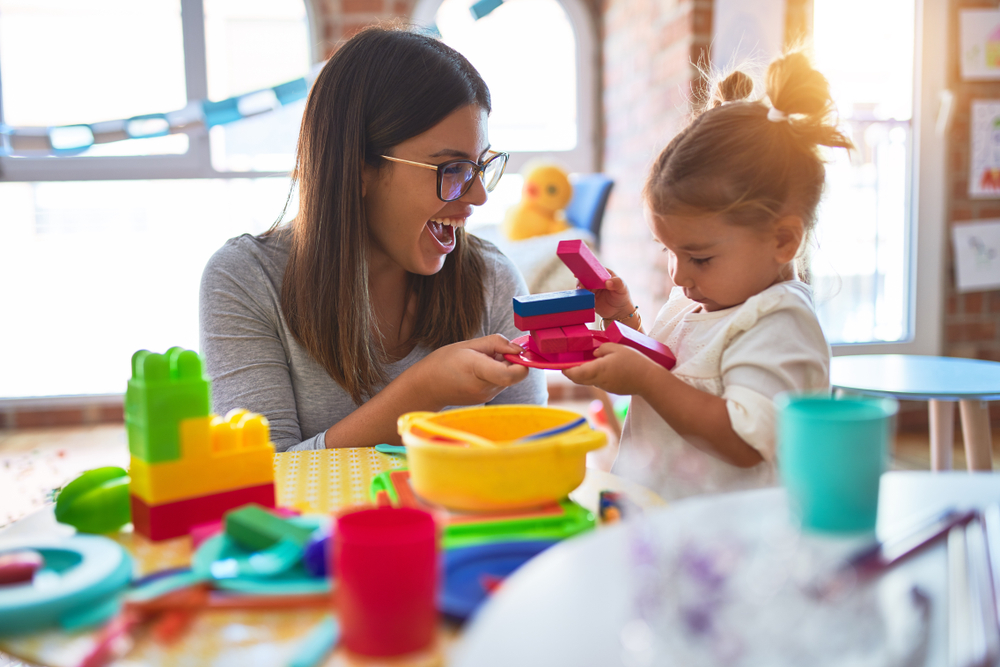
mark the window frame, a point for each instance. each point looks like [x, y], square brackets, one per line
[928, 198]
[585, 158]
[195, 163]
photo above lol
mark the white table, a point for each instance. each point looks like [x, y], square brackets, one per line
[576, 604]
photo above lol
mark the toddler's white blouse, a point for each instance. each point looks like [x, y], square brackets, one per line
[746, 354]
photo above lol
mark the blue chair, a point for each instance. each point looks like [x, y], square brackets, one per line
[590, 197]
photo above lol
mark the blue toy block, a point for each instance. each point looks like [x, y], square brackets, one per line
[530, 305]
[164, 390]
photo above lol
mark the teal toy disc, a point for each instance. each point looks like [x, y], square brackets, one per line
[80, 572]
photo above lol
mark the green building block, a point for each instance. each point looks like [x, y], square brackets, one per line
[164, 389]
[256, 529]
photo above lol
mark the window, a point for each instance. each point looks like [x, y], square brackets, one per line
[876, 265]
[103, 248]
[538, 58]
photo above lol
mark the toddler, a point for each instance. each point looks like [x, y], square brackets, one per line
[732, 200]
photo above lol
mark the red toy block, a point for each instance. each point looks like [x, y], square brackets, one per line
[581, 261]
[533, 346]
[578, 338]
[570, 317]
[651, 347]
[162, 522]
[550, 340]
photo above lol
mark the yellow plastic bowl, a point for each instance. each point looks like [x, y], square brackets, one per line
[508, 476]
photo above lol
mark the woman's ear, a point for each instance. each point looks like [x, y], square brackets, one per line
[788, 234]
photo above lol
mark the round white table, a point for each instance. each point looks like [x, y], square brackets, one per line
[939, 380]
[639, 593]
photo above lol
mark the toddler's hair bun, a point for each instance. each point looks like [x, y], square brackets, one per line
[794, 87]
[735, 87]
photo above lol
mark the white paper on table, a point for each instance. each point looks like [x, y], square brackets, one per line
[979, 41]
[977, 255]
[747, 31]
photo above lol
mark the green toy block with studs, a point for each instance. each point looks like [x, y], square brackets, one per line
[164, 389]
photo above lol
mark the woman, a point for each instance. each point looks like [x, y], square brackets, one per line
[363, 307]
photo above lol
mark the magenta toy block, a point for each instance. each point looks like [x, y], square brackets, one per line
[551, 320]
[529, 305]
[550, 340]
[581, 261]
[533, 347]
[651, 347]
[578, 338]
[162, 522]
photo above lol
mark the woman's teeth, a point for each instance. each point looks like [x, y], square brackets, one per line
[451, 222]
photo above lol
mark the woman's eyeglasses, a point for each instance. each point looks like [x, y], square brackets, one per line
[455, 178]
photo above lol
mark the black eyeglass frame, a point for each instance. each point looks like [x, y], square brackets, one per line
[479, 167]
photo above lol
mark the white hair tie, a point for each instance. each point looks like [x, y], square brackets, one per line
[776, 116]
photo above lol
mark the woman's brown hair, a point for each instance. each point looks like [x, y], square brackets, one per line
[379, 89]
[748, 161]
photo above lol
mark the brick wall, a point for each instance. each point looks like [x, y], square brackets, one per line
[340, 19]
[972, 320]
[648, 81]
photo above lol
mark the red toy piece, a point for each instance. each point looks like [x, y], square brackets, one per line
[651, 347]
[162, 522]
[570, 317]
[578, 338]
[563, 357]
[18, 567]
[550, 341]
[581, 261]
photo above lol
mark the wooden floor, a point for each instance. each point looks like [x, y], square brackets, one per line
[34, 462]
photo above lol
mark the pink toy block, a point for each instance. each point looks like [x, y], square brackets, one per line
[550, 340]
[581, 261]
[568, 318]
[162, 522]
[533, 346]
[578, 338]
[652, 348]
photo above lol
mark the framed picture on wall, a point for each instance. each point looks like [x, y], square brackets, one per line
[984, 149]
[979, 40]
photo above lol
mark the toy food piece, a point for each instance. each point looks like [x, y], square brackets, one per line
[564, 319]
[651, 347]
[581, 261]
[545, 194]
[254, 528]
[17, 567]
[553, 302]
[96, 501]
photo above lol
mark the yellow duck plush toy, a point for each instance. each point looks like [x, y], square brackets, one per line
[545, 194]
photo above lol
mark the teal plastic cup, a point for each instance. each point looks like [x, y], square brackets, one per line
[831, 454]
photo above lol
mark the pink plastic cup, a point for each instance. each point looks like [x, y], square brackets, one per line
[385, 561]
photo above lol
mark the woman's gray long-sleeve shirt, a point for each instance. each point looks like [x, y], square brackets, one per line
[255, 363]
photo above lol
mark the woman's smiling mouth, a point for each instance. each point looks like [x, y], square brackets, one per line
[442, 230]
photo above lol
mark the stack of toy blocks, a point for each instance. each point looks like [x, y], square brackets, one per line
[187, 466]
[557, 320]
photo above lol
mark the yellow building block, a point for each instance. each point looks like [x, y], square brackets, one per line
[216, 455]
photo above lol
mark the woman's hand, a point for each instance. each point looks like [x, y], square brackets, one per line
[615, 369]
[613, 300]
[470, 372]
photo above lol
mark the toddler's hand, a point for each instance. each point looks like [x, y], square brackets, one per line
[616, 369]
[613, 300]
